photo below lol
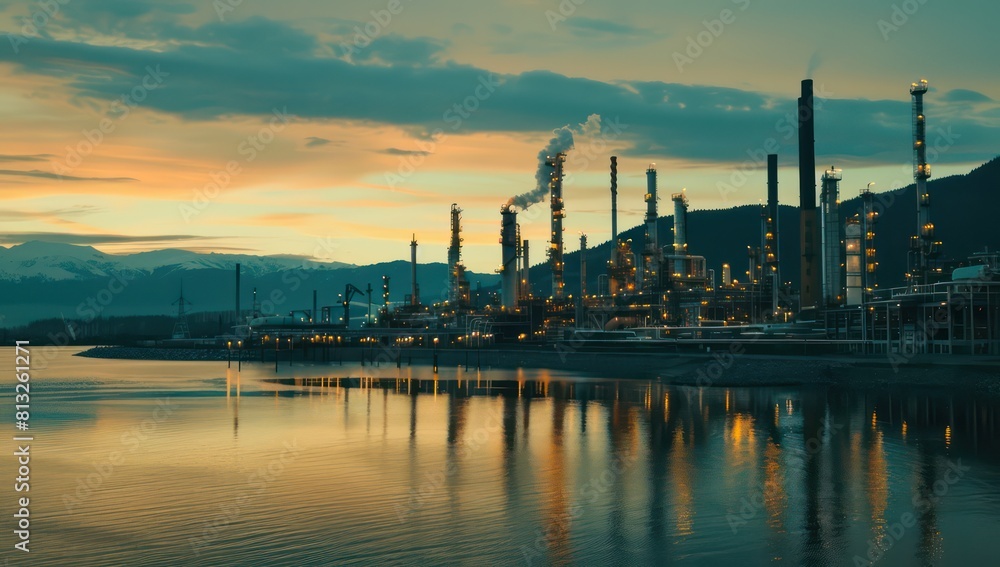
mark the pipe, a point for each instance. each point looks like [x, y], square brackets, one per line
[831, 224]
[455, 256]
[614, 202]
[651, 254]
[525, 271]
[414, 286]
[680, 223]
[238, 293]
[508, 247]
[558, 213]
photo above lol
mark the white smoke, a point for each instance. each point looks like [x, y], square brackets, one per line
[561, 142]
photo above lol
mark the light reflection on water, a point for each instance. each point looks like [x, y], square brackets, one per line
[152, 463]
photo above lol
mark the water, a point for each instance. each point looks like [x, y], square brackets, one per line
[188, 463]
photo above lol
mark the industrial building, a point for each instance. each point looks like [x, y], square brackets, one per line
[660, 294]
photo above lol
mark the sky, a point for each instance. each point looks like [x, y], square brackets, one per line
[336, 130]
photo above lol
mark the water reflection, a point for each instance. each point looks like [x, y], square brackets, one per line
[512, 467]
[814, 474]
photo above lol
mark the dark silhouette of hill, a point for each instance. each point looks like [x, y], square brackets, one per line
[212, 289]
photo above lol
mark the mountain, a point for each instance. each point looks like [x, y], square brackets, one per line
[41, 280]
[55, 262]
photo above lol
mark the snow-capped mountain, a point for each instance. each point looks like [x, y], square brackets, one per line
[58, 262]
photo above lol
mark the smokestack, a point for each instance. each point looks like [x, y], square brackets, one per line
[651, 254]
[583, 266]
[832, 274]
[455, 256]
[525, 271]
[923, 243]
[556, 250]
[414, 287]
[771, 261]
[313, 316]
[680, 222]
[237, 293]
[508, 268]
[771, 244]
[807, 148]
[614, 202]
[810, 271]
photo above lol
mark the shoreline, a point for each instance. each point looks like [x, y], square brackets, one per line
[722, 369]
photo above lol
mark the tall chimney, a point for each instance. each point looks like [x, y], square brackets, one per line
[680, 222]
[651, 254]
[455, 256]
[614, 202]
[314, 316]
[771, 238]
[237, 293]
[923, 243]
[525, 271]
[810, 271]
[556, 249]
[508, 267]
[772, 269]
[414, 287]
[583, 266]
[831, 225]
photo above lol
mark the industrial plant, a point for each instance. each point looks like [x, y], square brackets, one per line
[660, 294]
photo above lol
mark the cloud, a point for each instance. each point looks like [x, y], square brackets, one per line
[88, 239]
[316, 141]
[965, 95]
[50, 175]
[590, 27]
[53, 214]
[399, 152]
[21, 158]
[217, 72]
[393, 49]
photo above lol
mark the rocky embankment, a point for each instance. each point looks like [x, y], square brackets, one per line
[143, 353]
[716, 369]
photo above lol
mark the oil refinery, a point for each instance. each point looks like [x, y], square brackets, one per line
[660, 294]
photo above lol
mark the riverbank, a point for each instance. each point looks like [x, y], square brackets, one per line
[723, 368]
